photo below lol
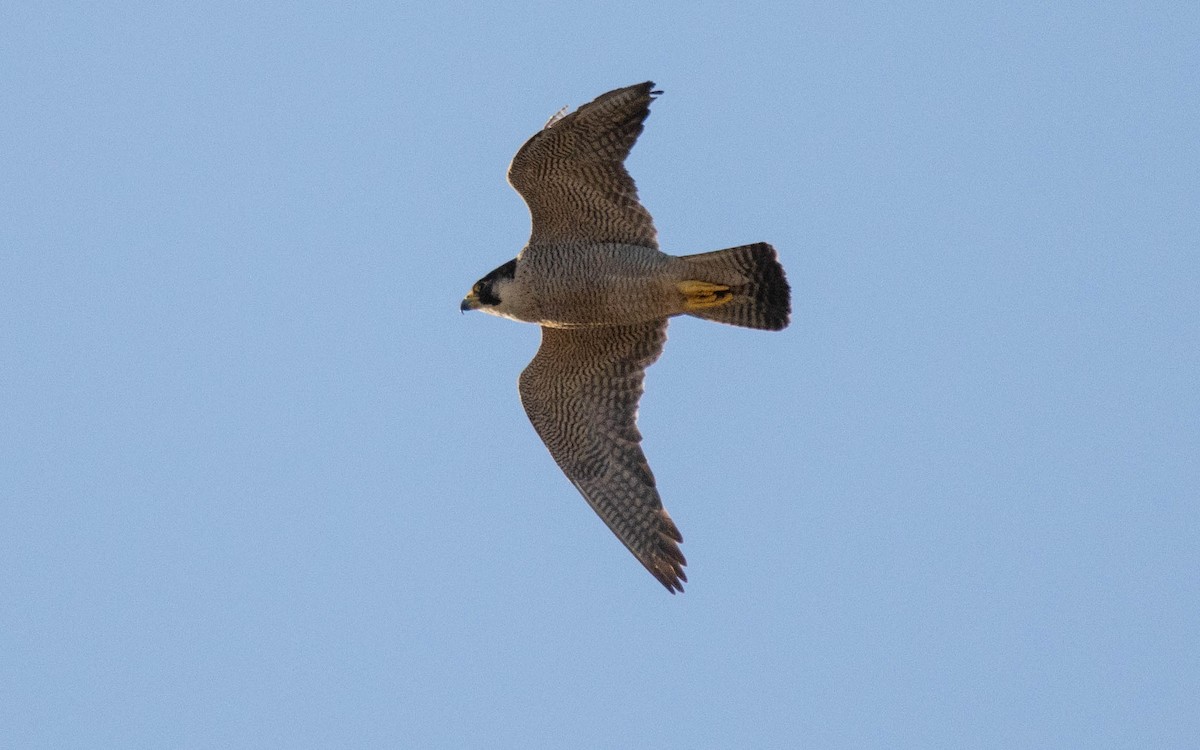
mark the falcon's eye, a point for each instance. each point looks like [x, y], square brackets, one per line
[477, 288]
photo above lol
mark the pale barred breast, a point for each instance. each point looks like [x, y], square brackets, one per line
[605, 284]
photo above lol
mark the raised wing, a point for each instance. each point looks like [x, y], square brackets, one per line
[581, 392]
[572, 173]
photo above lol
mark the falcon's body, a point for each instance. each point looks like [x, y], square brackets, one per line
[593, 277]
[606, 284]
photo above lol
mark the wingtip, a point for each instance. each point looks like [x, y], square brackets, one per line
[667, 565]
[648, 88]
[673, 584]
[645, 88]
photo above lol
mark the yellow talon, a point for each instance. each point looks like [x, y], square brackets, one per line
[698, 295]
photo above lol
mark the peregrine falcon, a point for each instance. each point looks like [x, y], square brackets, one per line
[593, 278]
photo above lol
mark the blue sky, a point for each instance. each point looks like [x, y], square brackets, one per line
[263, 486]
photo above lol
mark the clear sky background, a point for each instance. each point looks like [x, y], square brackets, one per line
[264, 487]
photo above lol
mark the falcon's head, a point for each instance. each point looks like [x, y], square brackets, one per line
[488, 294]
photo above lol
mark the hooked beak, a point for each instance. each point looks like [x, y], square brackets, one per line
[470, 302]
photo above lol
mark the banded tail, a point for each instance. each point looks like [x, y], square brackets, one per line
[742, 286]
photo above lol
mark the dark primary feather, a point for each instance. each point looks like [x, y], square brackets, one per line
[572, 173]
[581, 393]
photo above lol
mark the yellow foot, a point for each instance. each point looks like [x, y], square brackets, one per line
[698, 295]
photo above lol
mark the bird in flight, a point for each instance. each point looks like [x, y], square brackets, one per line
[593, 278]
